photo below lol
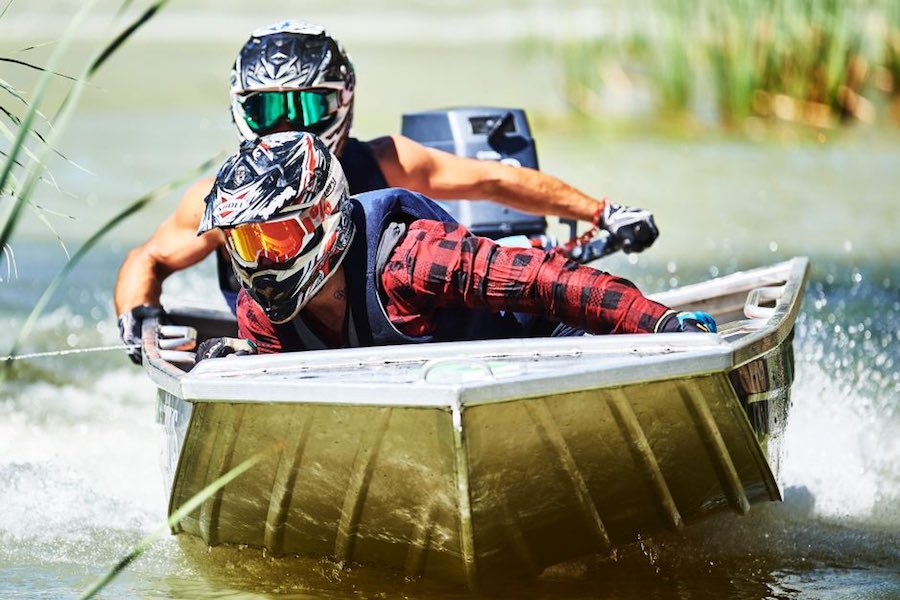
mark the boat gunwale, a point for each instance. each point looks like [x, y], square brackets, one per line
[642, 358]
[680, 357]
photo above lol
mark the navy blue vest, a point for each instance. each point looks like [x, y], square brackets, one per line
[360, 167]
[372, 213]
[363, 175]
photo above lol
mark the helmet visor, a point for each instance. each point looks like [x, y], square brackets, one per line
[302, 110]
[276, 241]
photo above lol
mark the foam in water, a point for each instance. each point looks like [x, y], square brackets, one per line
[79, 462]
[841, 451]
[842, 443]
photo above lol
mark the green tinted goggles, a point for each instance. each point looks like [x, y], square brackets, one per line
[307, 110]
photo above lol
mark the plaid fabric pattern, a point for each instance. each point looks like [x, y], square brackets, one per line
[441, 265]
[254, 325]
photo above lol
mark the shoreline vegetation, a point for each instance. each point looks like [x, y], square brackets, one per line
[818, 63]
[821, 63]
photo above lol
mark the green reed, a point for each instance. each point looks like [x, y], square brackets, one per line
[814, 61]
[36, 166]
[18, 194]
[132, 208]
[24, 127]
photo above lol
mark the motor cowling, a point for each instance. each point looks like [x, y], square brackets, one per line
[483, 133]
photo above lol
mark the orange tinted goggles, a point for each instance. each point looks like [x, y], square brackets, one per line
[277, 241]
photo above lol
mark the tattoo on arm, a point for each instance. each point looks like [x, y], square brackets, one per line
[340, 294]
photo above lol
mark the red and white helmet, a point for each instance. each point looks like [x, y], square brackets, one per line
[293, 75]
[283, 205]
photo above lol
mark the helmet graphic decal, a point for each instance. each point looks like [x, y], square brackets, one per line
[282, 203]
[293, 75]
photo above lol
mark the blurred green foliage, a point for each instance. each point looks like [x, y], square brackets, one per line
[819, 62]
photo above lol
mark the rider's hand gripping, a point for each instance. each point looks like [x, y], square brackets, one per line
[631, 229]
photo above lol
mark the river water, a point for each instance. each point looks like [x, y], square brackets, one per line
[79, 477]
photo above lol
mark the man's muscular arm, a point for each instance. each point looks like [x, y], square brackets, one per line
[444, 176]
[172, 247]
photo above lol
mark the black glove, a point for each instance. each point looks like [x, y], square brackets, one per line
[631, 229]
[687, 321]
[130, 324]
[224, 346]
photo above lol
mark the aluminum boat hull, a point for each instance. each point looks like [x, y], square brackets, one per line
[473, 461]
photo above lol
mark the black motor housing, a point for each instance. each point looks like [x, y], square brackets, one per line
[484, 133]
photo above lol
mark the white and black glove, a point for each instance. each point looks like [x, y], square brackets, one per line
[631, 229]
[130, 325]
[224, 346]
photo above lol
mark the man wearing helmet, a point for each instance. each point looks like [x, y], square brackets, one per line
[294, 76]
[320, 269]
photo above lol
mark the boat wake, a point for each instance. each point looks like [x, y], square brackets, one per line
[78, 463]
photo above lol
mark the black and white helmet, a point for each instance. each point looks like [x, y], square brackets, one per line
[283, 205]
[294, 56]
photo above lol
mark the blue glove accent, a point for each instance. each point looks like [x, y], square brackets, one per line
[696, 320]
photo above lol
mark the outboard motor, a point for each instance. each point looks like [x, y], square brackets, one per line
[484, 133]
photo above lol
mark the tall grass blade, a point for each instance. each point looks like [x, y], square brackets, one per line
[50, 180]
[124, 7]
[9, 89]
[55, 233]
[173, 520]
[62, 116]
[36, 46]
[16, 121]
[42, 212]
[122, 37]
[35, 67]
[12, 215]
[56, 213]
[132, 208]
[10, 135]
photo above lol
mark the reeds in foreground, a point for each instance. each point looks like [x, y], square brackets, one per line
[814, 61]
[17, 194]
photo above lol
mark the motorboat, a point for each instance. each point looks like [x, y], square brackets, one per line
[473, 461]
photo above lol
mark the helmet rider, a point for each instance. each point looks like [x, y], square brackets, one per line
[283, 206]
[293, 76]
[414, 273]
